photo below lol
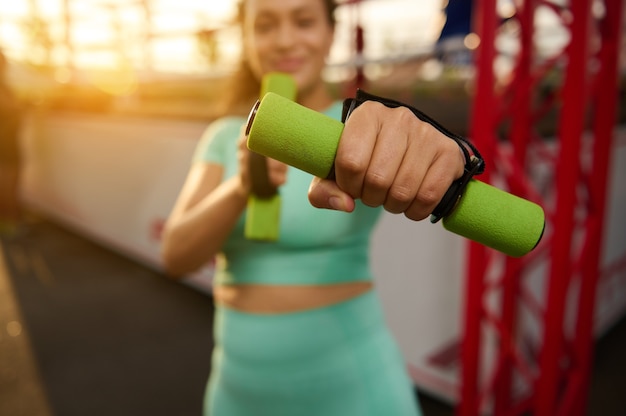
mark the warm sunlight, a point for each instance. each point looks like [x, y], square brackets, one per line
[184, 36]
[98, 34]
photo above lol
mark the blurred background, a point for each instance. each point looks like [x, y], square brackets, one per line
[166, 57]
[113, 96]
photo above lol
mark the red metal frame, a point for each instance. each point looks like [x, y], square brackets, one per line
[554, 376]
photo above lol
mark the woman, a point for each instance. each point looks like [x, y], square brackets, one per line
[299, 329]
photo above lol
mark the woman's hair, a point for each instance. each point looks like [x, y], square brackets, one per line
[243, 87]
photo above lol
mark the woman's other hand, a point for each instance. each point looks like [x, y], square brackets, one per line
[276, 171]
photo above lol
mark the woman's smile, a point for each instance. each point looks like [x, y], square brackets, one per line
[289, 64]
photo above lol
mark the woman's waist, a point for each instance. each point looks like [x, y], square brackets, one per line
[273, 341]
[279, 299]
[275, 265]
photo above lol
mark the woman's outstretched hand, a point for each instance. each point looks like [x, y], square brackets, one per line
[389, 157]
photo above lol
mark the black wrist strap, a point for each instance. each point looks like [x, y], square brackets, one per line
[455, 191]
[474, 163]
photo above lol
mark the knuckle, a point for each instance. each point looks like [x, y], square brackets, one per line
[401, 194]
[376, 180]
[371, 107]
[404, 116]
[393, 209]
[450, 149]
[415, 215]
[349, 165]
[427, 197]
[416, 212]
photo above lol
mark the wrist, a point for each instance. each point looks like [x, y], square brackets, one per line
[240, 188]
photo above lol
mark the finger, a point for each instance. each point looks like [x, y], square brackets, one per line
[389, 154]
[243, 160]
[417, 159]
[356, 147]
[325, 193]
[277, 172]
[242, 142]
[446, 166]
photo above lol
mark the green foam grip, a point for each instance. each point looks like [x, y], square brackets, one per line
[263, 218]
[262, 221]
[308, 140]
[279, 83]
[295, 135]
[497, 219]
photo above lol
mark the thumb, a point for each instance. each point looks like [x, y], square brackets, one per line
[324, 193]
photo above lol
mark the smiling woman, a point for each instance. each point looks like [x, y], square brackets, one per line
[299, 327]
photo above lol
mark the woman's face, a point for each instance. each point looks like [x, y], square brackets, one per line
[292, 36]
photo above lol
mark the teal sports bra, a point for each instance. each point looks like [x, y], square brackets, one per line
[315, 246]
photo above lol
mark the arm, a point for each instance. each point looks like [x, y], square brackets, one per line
[206, 211]
[203, 216]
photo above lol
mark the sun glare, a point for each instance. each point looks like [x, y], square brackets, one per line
[179, 36]
[120, 81]
[97, 34]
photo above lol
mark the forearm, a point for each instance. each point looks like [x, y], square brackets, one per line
[195, 236]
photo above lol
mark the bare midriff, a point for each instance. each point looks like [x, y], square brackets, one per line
[254, 298]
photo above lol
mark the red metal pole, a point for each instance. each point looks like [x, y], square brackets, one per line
[481, 131]
[605, 99]
[359, 47]
[551, 360]
[564, 358]
[520, 134]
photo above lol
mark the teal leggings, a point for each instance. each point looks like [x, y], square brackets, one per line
[334, 361]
